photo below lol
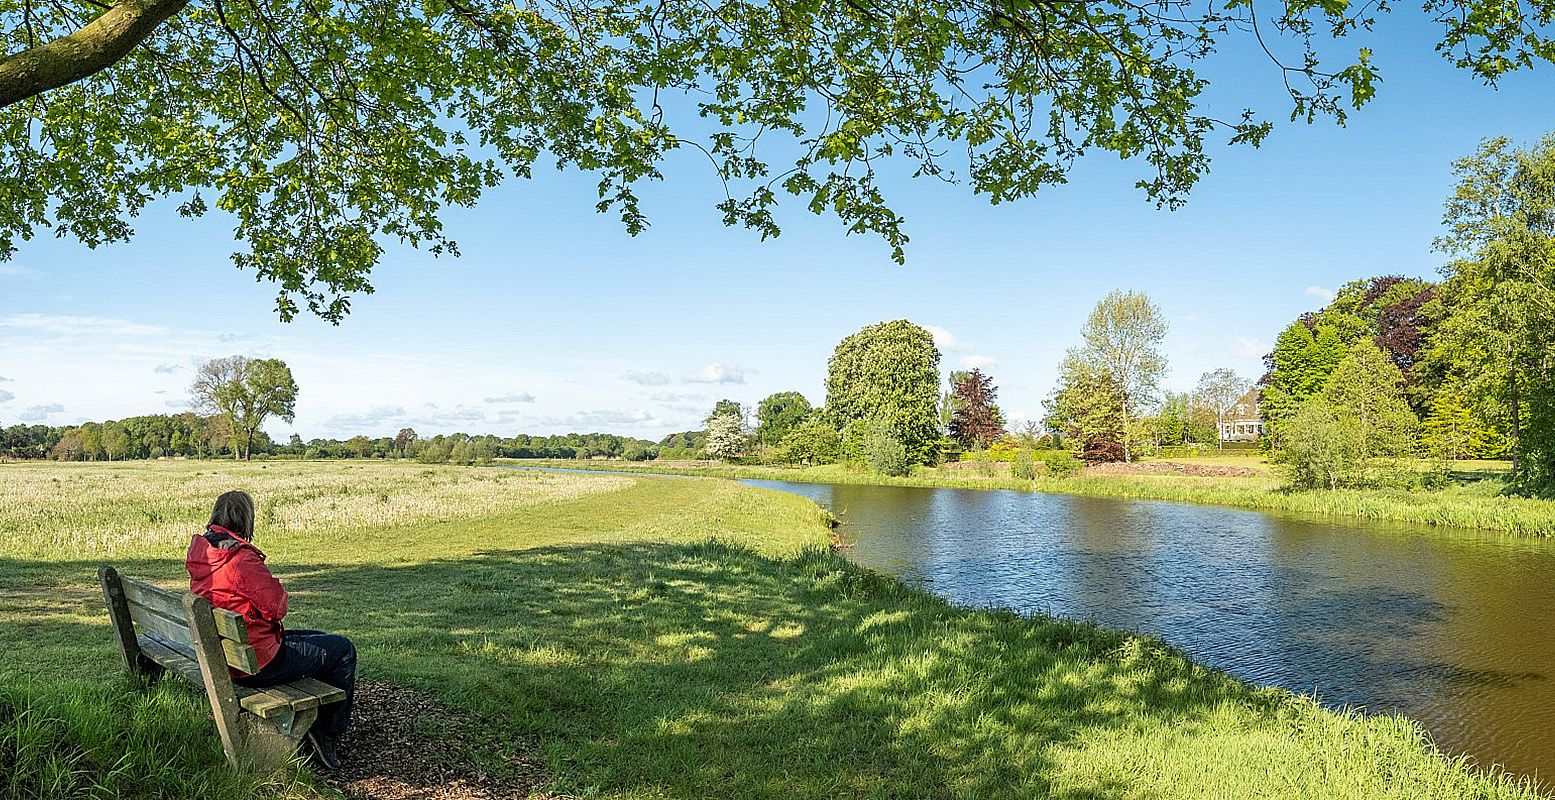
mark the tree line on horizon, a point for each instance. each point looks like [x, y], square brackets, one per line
[888, 407]
[192, 435]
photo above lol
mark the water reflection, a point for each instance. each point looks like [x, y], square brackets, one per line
[1452, 628]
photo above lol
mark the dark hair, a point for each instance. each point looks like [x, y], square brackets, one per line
[235, 511]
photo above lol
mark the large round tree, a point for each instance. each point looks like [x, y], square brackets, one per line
[888, 372]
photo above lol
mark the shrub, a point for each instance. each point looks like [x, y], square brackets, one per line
[1061, 464]
[982, 462]
[1320, 448]
[1003, 450]
[1099, 449]
[812, 442]
[883, 451]
[1024, 467]
[946, 450]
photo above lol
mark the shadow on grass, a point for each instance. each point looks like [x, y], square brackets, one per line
[689, 670]
[694, 670]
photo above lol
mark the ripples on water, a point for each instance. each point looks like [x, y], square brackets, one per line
[1453, 628]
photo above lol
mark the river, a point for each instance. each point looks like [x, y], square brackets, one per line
[1453, 628]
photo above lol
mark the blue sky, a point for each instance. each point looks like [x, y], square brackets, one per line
[555, 320]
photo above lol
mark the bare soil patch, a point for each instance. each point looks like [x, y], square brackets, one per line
[405, 745]
[1170, 468]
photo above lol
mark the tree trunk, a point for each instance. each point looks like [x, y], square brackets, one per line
[1127, 453]
[1511, 377]
[97, 45]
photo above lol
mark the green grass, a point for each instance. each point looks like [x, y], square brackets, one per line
[677, 638]
[1479, 501]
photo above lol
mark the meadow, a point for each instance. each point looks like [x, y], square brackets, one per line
[1477, 497]
[645, 638]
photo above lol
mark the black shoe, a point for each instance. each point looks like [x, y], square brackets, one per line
[323, 748]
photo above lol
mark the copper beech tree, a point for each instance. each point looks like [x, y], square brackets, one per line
[326, 130]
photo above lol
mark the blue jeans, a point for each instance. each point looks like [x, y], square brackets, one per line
[329, 657]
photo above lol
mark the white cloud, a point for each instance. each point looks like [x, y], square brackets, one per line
[716, 373]
[678, 397]
[461, 414]
[1321, 292]
[945, 340]
[1250, 348]
[648, 378]
[65, 324]
[606, 418]
[978, 362]
[4, 379]
[512, 397]
[362, 419]
[41, 413]
[166, 369]
[948, 342]
[176, 403]
[17, 271]
[6, 397]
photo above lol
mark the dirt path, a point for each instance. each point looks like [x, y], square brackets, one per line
[404, 745]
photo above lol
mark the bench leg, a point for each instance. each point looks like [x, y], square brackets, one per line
[213, 671]
[123, 626]
[269, 743]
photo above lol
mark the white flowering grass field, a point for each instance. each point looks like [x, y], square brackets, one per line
[642, 638]
[145, 507]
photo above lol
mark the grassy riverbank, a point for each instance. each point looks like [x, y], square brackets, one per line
[645, 638]
[1478, 502]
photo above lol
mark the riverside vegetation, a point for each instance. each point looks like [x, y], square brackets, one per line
[1477, 499]
[645, 637]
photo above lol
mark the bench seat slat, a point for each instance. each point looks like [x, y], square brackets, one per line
[324, 692]
[264, 703]
[169, 603]
[300, 698]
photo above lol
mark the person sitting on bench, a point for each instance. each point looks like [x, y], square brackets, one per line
[228, 570]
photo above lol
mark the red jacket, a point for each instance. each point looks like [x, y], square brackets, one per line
[232, 574]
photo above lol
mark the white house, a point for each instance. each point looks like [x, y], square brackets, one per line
[1244, 422]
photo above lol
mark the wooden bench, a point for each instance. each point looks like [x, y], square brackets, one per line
[161, 631]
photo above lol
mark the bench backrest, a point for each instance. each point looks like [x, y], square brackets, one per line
[166, 614]
[189, 626]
